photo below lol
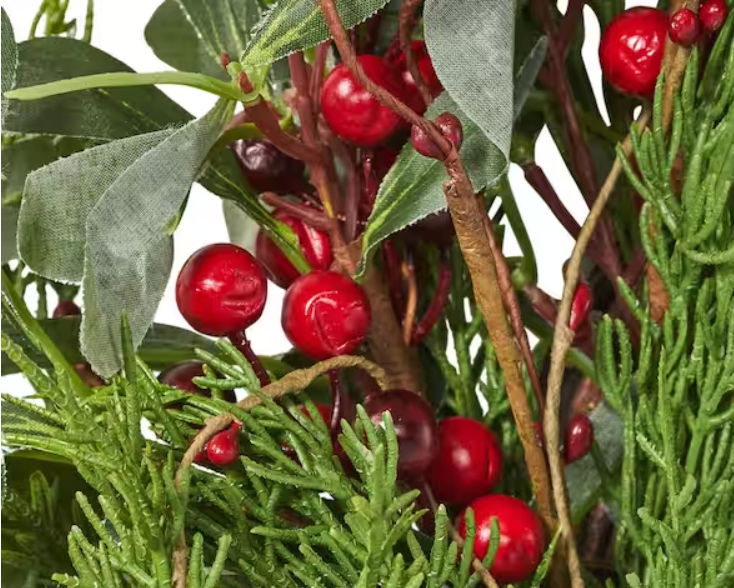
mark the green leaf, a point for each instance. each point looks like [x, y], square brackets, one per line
[9, 58]
[101, 115]
[471, 47]
[241, 228]
[413, 188]
[161, 346]
[60, 196]
[129, 250]
[190, 35]
[293, 25]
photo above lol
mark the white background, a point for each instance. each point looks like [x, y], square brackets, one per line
[118, 30]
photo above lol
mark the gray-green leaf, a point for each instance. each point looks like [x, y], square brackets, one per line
[129, 250]
[293, 25]
[471, 45]
[9, 57]
[59, 197]
[190, 35]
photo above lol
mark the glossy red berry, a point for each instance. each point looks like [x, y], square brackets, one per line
[579, 438]
[221, 289]
[325, 314]
[66, 308]
[315, 245]
[266, 168]
[631, 50]
[684, 27]
[415, 429]
[425, 67]
[352, 112]
[580, 306]
[181, 375]
[712, 14]
[468, 463]
[450, 127]
[224, 447]
[522, 538]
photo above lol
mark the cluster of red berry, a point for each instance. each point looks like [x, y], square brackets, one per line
[632, 46]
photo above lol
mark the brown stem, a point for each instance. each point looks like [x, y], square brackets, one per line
[536, 177]
[438, 302]
[317, 75]
[477, 565]
[353, 181]
[569, 25]
[512, 307]
[542, 302]
[408, 271]
[562, 340]
[311, 216]
[406, 22]
[240, 341]
[391, 262]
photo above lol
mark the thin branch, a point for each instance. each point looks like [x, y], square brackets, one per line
[406, 22]
[317, 75]
[562, 339]
[240, 341]
[536, 177]
[438, 302]
[408, 271]
[308, 214]
[569, 25]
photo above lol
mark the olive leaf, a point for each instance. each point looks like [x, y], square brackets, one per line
[293, 25]
[413, 188]
[129, 248]
[190, 35]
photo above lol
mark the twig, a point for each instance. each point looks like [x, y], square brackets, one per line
[438, 302]
[406, 22]
[569, 25]
[562, 339]
[317, 74]
[240, 341]
[536, 177]
[478, 566]
[408, 271]
[512, 306]
[353, 181]
[308, 214]
[467, 214]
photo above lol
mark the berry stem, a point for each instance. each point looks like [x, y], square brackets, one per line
[408, 271]
[240, 341]
[309, 215]
[569, 25]
[536, 177]
[406, 22]
[438, 302]
[337, 393]
[353, 190]
[317, 74]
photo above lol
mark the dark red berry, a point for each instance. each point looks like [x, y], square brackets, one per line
[425, 67]
[579, 438]
[712, 14]
[266, 168]
[352, 112]
[221, 289]
[631, 50]
[181, 375]
[84, 371]
[315, 245]
[580, 306]
[450, 128]
[224, 447]
[66, 308]
[415, 429]
[522, 538]
[468, 463]
[684, 27]
[325, 314]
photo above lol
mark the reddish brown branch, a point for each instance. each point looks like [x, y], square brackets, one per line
[317, 75]
[406, 22]
[569, 25]
[240, 341]
[536, 177]
[438, 302]
[308, 214]
[391, 261]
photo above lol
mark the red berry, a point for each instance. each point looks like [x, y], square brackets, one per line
[324, 411]
[684, 27]
[266, 168]
[450, 128]
[66, 308]
[468, 463]
[425, 67]
[314, 243]
[84, 371]
[224, 447]
[631, 50]
[352, 112]
[221, 289]
[415, 429]
[325, 314]
[580, 306]
[522, 538]
[713, 14]
[579, 438]
[181, 375]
